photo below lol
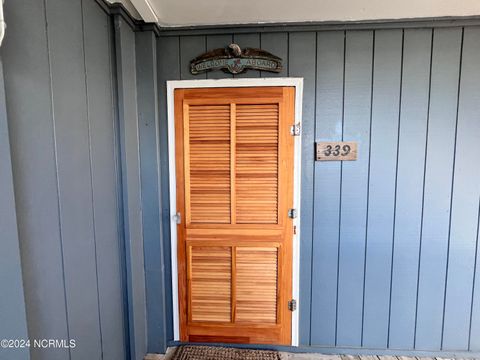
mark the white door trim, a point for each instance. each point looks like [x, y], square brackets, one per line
[183, 84]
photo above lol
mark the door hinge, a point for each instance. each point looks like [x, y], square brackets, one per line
[292, 305]
[295, 129]
[292, 213]
[177, 218]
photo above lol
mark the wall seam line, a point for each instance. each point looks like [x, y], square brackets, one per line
[340, 192]
[180, 56]
[125, 216]
[259, 46]
[288, 55]
[396, 188]
[365, 250]
[179, 40]
[54, 136]
[205, 50]
[452, 188]
[474, 280]
[313, 186]
[159, 189]
[116, 152]
[140, 194]
[90, 157]
[423, 190]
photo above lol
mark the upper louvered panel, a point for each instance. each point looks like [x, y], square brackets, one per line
[211, 275]
[256, 284]
[209, 140]
[257, 163]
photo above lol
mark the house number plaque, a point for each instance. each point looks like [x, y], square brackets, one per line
[335, 150]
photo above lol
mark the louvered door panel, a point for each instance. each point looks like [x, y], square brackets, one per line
[209, 163]
[256, 284]
[210, 279]
[257, 163]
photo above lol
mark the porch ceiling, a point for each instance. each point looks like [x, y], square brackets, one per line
[222, 12]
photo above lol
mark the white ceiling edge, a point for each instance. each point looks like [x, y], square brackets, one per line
[129, 6]
[146, 10]
[180, 13]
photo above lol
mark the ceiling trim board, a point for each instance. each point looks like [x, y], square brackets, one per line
[139, 25]
[322, 26]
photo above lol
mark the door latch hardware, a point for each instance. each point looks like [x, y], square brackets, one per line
[292, 305]
[295, 129]
[292, 213]
[177, 218]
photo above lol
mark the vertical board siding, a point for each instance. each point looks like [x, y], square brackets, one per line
[389, 243]
[146, 67]
[409, 187]
[354, 187]
[27, 68]
[12, 306]
[474, 339]
[101, 117]
[168, 62]
[60, 112]
[277, 44]
[74, 175]
[303, 64]
[465, 193]
[438, 187]
[190, 48]
[328, 126]
[382, 173]
[131, 183]
[218, 42]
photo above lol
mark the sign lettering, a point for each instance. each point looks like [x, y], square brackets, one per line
[336, 150]
[235, 60]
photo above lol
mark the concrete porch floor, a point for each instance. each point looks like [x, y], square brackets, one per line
[317, 356]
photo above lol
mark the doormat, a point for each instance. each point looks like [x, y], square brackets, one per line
[190, 352]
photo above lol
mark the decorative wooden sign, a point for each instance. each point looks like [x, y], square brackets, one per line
[336, 150]
[235, 60]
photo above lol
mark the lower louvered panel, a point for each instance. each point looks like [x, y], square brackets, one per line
[256, 284]
[210, 279]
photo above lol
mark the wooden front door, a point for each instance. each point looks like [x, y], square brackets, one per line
[234, 168]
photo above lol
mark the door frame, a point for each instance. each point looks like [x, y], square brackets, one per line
[172, 85]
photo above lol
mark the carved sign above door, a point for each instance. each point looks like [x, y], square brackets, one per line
[234, 60]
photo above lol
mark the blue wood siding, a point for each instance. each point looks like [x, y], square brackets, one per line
[463, 233]
[438, 187]
[73, 168]
[12, 303]
[389, 243]
[354, 187]
[135, 217]
[147, 89]
[168, 60]
[386, 96]
[329, 108]
[59, 83]
[409, 186]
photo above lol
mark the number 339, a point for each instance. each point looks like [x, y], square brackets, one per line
[335, 151]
